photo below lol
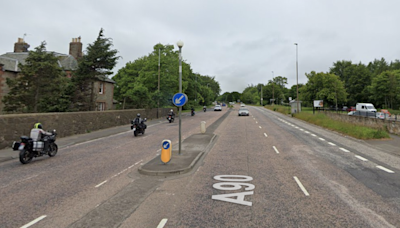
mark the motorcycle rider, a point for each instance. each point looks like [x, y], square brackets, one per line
[37, 134]
[204, 108]
[172, 114]
[139, 121]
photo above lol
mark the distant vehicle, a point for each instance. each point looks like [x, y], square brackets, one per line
[352, 108]
[242, 105]
[223, 104]
[380, 115]
[217, 108]
[345, 108]
[351, 113]
[365, 109]
[243, 112]
[386, 112]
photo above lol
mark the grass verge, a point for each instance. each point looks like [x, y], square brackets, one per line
[356, 131]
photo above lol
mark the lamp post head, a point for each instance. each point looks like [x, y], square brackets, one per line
[180, 44]
[295, 44]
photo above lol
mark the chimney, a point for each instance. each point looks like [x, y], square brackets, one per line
[75, 48]
[21, 46]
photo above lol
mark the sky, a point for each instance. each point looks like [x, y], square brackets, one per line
[238, 42]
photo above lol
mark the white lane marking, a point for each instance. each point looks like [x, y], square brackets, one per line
[332, 144]
[307, 132]
[19, 181]
[301, 129]
[343, 149]
[158, 150]
[384, 169]
[117, 174]
[322, 139]
[34, 221]
[313, 135]
[301, 186]
[256, 122]
[276, 150]
[361, 158]
[265, 134]
[259, 127]
[100, 184]
[162, 223]
[296, 127]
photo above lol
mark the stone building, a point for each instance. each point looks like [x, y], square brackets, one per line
[68, 62]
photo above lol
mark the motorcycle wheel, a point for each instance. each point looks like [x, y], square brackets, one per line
[25, 156]
[170, 120]
[143, 131]
[53, 150]
[135, 133]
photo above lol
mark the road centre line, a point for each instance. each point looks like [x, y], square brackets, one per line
[162, 223]
[259, 127]
[384, 169]
[265, 134]
[332, 144]
[314, 135]
[361, 158]
[307, 132]
[256, 122]
[301, 129]
[343, 149]
[34, 221]
[118, 174]
[322, 139]
[276, 150]
[301, 186]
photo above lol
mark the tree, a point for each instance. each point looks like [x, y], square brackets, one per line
[324, 86]
[386, 89]
[97, 62]
[40, 86]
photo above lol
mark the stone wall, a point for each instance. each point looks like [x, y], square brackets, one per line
[12, 126]
[392, 126]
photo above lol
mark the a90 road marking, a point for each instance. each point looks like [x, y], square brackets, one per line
[233, 182]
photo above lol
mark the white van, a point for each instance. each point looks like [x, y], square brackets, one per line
[365, 107]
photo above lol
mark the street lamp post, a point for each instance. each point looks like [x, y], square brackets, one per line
[297, 78]
[180, 45]
[158, 99]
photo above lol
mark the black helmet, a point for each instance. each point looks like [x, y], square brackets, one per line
[38, 125]
[138, 115]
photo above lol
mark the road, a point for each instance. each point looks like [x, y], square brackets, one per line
[282, 173]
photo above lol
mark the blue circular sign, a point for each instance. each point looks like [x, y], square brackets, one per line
[179, 99]
[166, 145]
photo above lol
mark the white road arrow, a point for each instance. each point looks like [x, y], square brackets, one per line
[178, 101]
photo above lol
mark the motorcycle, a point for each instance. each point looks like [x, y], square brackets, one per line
[204, 109]
[192, 112]
[170, 118]
[28, 149]
[137, 127]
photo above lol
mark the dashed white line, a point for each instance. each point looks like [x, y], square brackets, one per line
[307, 132]
[34, 221]
[332, 144]
[384, 169]
[100, 184]
[361, 158]
[343, 149]
[265, 134]
[301, 129]
[276, 150]
[301, 186]
[322, 139]
[256, 122]
[259, 127]
[313, 135]
[162, 223]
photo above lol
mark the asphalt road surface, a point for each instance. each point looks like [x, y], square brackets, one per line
[265, 170]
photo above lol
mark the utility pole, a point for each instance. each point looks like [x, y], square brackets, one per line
[158, 98]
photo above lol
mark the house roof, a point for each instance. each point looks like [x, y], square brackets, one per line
[12, 59]
[105, 79]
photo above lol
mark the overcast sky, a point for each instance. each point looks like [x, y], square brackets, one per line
[238, 42]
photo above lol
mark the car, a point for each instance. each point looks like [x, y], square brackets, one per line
[242, 105]
[345, 108]
[217, 108]
[351, 113]
[243, 112]
[380, 115]
[223, 104]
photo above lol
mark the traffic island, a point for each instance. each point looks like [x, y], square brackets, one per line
[192, 149]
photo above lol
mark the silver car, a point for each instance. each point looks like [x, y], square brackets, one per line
[217, 108]
[243, 112]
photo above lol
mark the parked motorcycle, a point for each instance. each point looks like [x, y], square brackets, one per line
[28, 149]
[170, 118]
[138, 127]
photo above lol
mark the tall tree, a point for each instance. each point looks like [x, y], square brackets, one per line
[95, 64]
[386, 89]
[40, 86]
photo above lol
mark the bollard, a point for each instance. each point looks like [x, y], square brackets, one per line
[203, 127]
[166, 151]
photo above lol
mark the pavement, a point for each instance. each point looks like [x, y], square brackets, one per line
[192, 149]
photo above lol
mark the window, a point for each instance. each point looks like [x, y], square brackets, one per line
[101, 88]
[101, 106]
